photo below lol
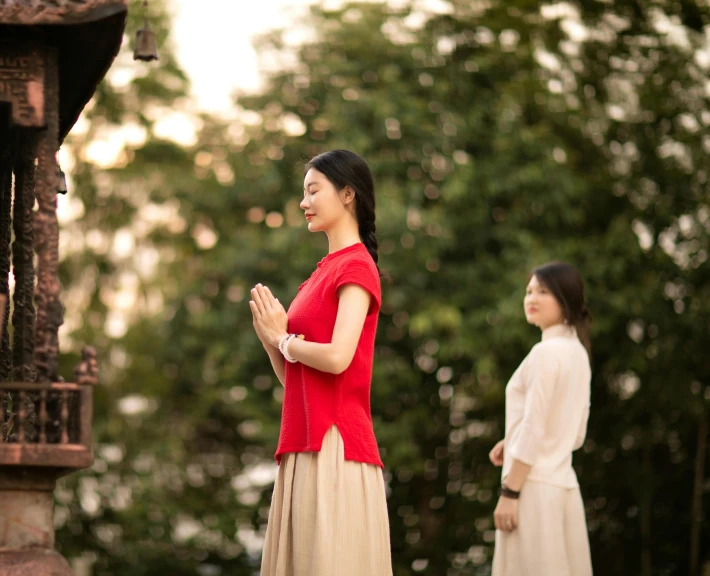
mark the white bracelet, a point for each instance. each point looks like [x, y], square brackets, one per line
[288, 357]
[281, 343]
[283, 347]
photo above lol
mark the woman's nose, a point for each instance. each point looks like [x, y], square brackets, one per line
[303, 204]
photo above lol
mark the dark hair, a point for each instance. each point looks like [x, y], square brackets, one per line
[567, 286]
[344, 168]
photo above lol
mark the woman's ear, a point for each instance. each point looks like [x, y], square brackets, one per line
[348, 195]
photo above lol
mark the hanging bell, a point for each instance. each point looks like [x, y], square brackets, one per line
[61, 182]
[146, 47]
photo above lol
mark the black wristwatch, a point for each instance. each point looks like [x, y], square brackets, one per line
[508, 493]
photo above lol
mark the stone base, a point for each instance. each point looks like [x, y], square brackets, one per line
[34, 562]
[26, 520]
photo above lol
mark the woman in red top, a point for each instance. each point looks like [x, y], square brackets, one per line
[328, 510]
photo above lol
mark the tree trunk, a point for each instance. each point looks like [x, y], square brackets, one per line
[646, 513]
[696, 516]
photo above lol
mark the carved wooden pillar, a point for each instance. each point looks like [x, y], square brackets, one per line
[48, 72]
[46, 240]
[6, 150]
[5, 185]
[23, 316]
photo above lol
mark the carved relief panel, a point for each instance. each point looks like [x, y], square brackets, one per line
[22, 67]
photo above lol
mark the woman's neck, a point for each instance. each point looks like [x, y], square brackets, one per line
[342, 236]
[561, 329]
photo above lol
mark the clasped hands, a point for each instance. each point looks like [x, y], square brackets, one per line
[269, 316]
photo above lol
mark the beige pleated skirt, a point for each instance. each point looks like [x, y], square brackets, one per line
[328, 516]
[551, 537]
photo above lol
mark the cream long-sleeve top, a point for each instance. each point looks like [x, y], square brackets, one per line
[547, 406]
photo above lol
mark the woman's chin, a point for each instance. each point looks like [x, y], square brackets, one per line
[313, 227]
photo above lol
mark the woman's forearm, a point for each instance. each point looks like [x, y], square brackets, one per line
[323, 357]
[518, 474]
[278, 363]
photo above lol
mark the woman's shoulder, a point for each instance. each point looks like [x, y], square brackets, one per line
[548, 351]
[357, 259]
[558, 351]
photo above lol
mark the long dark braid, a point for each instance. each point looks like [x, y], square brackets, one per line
[369, 238]
[344, 168]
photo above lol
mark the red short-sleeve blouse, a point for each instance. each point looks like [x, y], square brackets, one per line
[315, 400]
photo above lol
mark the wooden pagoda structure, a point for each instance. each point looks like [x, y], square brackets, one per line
[53, 54]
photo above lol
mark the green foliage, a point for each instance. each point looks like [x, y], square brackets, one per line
[498, 142]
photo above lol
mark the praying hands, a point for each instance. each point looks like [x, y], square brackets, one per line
[269, 316]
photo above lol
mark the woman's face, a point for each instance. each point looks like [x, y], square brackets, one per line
[323, 205]
[541, 307]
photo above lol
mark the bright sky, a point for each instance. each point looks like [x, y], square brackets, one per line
[213, 39]
[213, 42]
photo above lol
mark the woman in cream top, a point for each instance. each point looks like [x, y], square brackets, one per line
[541, 527]
[547, 406]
